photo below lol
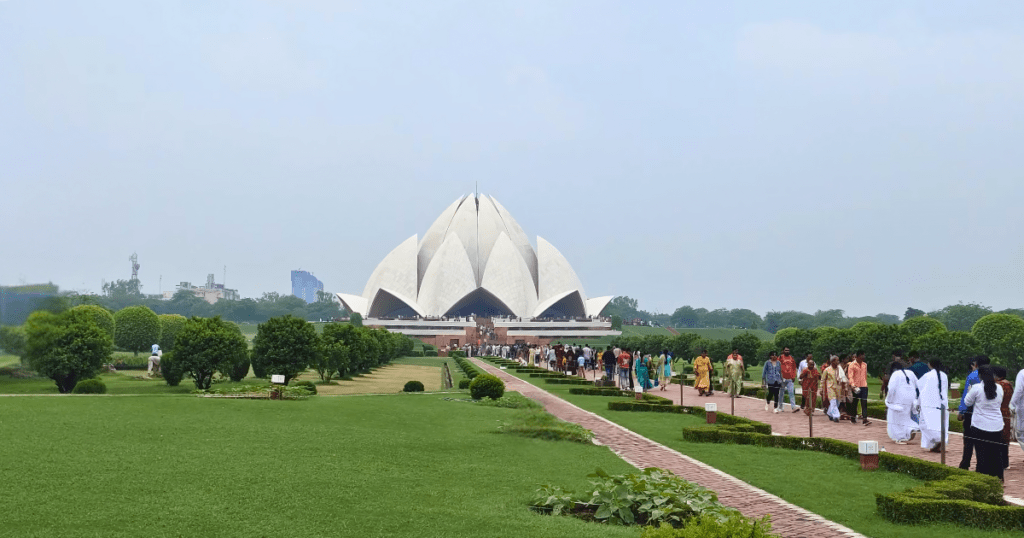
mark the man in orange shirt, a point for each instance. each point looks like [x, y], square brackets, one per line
[858, 375]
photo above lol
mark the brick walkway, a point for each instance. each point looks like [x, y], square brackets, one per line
[788, 520]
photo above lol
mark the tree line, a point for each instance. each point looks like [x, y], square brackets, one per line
[75, 344]
[998, 335]
[958, 317]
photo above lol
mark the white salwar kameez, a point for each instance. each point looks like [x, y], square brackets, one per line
[900, 403]
[1017, 409]
[934, 387]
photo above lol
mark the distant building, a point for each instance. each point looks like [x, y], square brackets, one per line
[305, 285]
[211, 292]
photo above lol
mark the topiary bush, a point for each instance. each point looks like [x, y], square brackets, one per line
[413, 386]
[486, 386]
[457, 353]
[103, 318]
[430, 353]
[170, 324]
[90, 386]
[136, 328]
[239, 368]
[171, 370]
[308, 385]
[464, 383]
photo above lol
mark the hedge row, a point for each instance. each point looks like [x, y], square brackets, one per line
[548, 375]
[569, 381]
[732, 421]
[950, 494]
[467, 367]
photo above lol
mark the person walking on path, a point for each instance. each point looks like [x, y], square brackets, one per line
[799, 372]
[899, 401]
[643, 372]
[608, 358]
[666, 369]
[788, 366]
[845, 392]
[858, 374]
[702, 374]
[934, 404]
[987, 423]
[654, 370]
[1017, 409]
[624, 382]
[771, 378]
[918, 366]
[809, 377]
[734, 374]
[966, 413]
[830, 388]
[999, 373]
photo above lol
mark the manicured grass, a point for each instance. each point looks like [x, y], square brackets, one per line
[402, 465]
[831, 486]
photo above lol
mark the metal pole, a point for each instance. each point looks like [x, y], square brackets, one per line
[682, 382]
[810, 421]
[732, 401]
[942, 435]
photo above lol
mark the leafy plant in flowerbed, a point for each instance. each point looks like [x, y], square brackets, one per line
[650, 497]
[511, 400]
[258, 392]
[951, 495]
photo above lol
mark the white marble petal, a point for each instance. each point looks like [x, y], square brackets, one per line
[353, 303]
[572, 296]
[449, 277]
[556, 275]
[386, 300]
[518, 237]
[396, 272]
[434, 237]
[597, 304]
[508, 278]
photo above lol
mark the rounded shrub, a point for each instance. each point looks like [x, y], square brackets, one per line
[464, 383]
[103, 318]
[308, 385]
[430, 353]
[486, 386]
[413, 386]
[90, 386]
[136, 328]
[171, 370]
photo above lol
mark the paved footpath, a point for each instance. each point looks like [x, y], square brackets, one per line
[788, 520]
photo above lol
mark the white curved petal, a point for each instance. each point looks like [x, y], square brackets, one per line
[449, 277]
[572, 302]
[397, 271]
[556, 275]
[597, 304]
[508, 278]
[353, 303]
[387, 300]
[433, 238]
[519, 239]
[464, 226]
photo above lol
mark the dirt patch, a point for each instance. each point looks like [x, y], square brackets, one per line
[386, 380]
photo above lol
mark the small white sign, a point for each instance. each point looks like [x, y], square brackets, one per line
[868, 447]
[277, 379]
[504, 368]
[711, 407]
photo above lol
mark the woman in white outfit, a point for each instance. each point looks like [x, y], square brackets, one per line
[902, 392]
[1017, 410]
[934, 405]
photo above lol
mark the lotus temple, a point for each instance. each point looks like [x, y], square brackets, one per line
[475, 278]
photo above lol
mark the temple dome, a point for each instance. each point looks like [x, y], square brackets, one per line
[474, 259]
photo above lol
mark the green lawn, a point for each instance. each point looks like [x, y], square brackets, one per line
[402, 465]
[831, 486]
[9, 360]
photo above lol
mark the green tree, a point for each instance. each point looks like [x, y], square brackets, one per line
[922, 325]
[744, 319]
[718, 350]
[774, 321]
[356, 319]
[12, 340]
[136, 328]
[681, 345]
[205, 346]
[912, 313]
[747, 344]
[879, 342]
[170, 326]
[827, 341]
[990, 330]
[1011, 352]
[799, 341]
[686, 316]
[616, 322]
[103, 318]
[65, 348]
[334, 350]
[285, 346]
[953, 348]
[961, 317]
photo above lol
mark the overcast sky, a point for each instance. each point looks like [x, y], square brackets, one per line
[767, 155]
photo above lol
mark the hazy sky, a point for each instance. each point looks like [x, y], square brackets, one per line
[767, 155]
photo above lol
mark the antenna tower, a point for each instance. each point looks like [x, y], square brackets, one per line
[134, 258]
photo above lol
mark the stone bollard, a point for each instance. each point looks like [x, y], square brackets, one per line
[868, 455]
[639, 392]
[711, 412]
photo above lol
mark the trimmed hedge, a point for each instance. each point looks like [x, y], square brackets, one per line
[308, 385]
[744, 424]
[413, 386]
[950, 495]
[486, 386]
[457, 353]
[464, 383]
[548, 375]
[569, 381]
[467, 367]
[429, 352]
[90, 386]
[600, 391]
